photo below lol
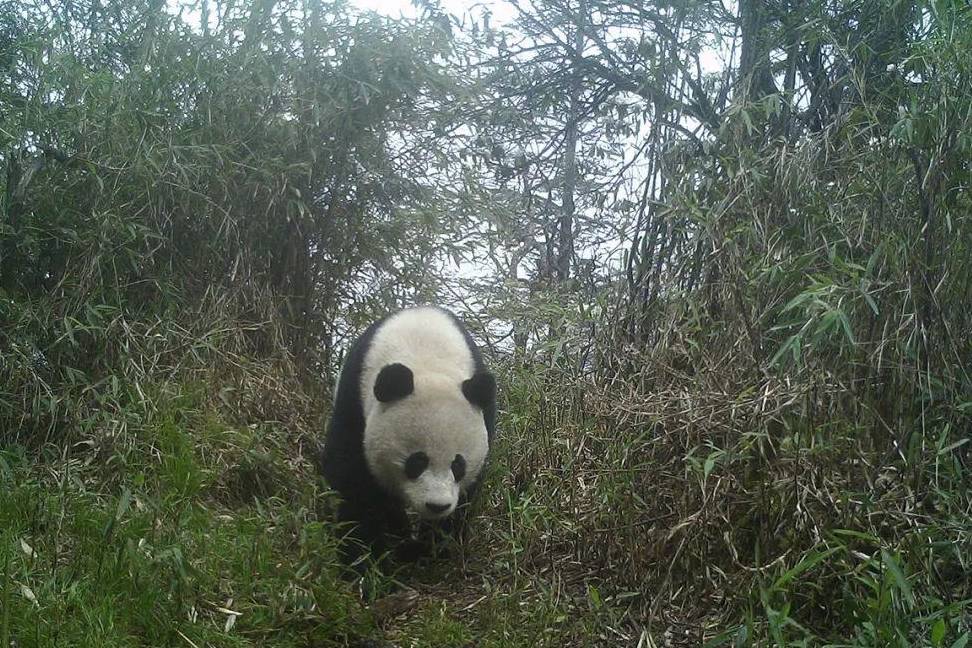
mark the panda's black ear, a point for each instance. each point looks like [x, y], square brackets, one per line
[394, 381]
[480, 390]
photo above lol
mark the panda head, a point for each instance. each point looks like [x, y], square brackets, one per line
[425, 440]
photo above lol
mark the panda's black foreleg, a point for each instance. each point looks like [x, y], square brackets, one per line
[373, 529]
[362, 537]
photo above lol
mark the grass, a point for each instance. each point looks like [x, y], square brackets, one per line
[199, 531]
[153, 556]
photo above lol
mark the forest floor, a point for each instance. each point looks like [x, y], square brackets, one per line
[193, 517]
[186, 530]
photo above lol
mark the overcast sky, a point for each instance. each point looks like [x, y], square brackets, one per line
[502, 12]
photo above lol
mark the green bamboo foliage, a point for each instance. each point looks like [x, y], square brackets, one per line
[160, 179]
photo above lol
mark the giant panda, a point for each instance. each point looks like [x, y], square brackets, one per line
[412, 423]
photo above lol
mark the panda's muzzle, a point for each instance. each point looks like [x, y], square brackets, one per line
[437, 509]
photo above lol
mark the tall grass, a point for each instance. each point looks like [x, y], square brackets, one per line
[156, 175]
[772, 447]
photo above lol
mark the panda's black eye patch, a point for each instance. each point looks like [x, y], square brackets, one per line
[459, 467]
[416, 464]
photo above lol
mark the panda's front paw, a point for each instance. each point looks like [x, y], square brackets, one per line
[411, 550]
[442, 550]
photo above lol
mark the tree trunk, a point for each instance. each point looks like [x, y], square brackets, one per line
[565, 243]
[754, 64]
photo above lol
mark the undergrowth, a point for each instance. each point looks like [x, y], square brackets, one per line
[163, 543]
[200, 530]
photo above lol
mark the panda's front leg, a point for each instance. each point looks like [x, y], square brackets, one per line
[362, 537]
[371, 525]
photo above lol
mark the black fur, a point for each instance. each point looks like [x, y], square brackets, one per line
[394, 382]
[378, 517]
[480, 390]
[416, 464]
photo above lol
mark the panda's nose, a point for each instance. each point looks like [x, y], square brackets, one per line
[437, 508]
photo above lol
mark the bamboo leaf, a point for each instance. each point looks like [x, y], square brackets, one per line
[900, 581]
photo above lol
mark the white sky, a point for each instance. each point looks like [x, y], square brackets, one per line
[502, 12]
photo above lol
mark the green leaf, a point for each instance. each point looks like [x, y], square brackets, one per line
[870, 302]
[899, 578]
[850, 533]
[595, 596]
[720, 639]
[797, 301]
[957, 444]
[828, 321]
[809, 562]
[845, 323]
[707, 468]
[747, 120]
[938, 632]
[961, 641]
[791, 344]
[123, 503]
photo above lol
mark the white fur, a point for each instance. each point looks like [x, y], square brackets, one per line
[436, 419]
